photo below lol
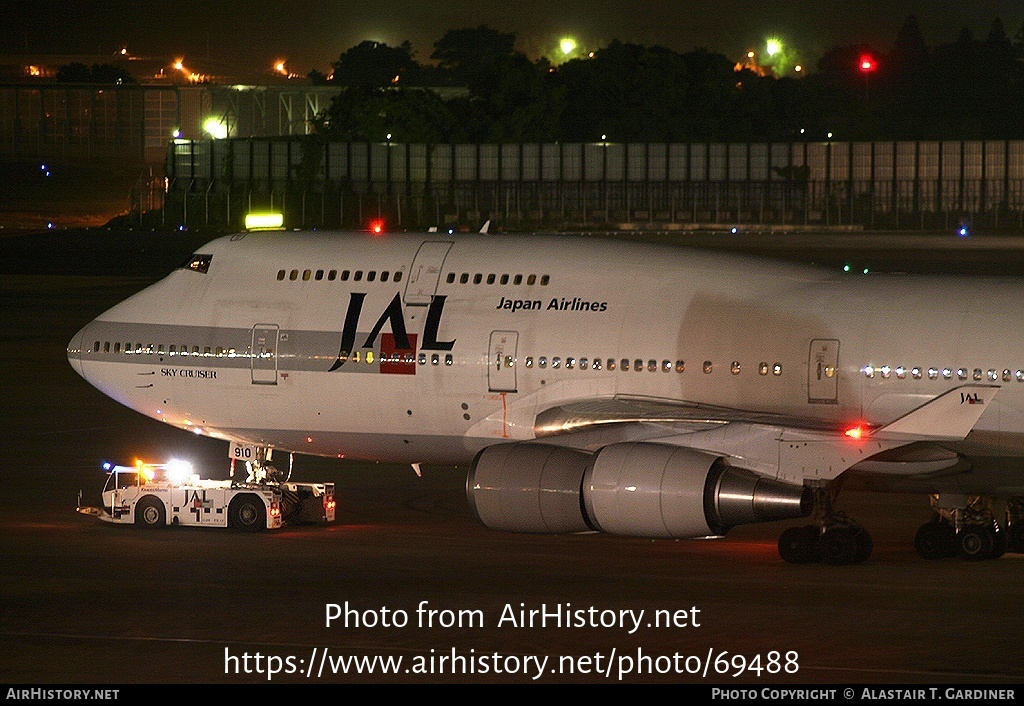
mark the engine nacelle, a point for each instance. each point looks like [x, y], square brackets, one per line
[637, 489]
[528, 487]
[654, 490]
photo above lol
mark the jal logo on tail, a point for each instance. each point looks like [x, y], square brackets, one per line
[970, 398]
[394, 315]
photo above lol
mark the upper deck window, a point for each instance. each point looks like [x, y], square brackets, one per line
[199, 263]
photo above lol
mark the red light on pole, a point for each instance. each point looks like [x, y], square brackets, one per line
[867, 66]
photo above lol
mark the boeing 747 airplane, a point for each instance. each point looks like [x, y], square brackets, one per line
[595, 384]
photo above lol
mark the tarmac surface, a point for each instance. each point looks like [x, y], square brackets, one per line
[87, 602]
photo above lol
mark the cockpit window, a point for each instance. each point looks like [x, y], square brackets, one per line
[199, 263]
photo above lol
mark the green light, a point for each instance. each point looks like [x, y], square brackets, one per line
[567, 45]
[773, 47]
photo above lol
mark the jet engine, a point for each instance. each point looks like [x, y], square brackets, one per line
[637, 489]
[528, 488]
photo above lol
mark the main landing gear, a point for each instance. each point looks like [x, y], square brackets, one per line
[974, 528]
[833, 539]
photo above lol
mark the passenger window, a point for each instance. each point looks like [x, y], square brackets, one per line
[344, 275]
[504, 279]
[160, 349]
[448, 360]
[583, 363]
[398, 276]
[543, 362]
[531, 279]
[556, 362]
[977, 373]
[464, 278]
[777, 369]
[319, 275]
[570, 363]
[491, 278]
[358, 276]
[384, 276]
[371, 275]
[680, 366]
[624, 365]
[293, 275]
[332, 275]
[735, 368]
[96, 347]
[652, 366]
[529, 361]
[106, 349]
[306, 274]
[597, 363]
[544, 280]
[451, 278]
[762, 369]
[280, 275]
[611, 364]
[117, 346]
[435, 359]
[707, 367]
[517, 280]
[478, 278]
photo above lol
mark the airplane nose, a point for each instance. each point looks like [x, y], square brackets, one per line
[75, 352]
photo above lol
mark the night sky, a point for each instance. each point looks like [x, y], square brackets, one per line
[313, 33]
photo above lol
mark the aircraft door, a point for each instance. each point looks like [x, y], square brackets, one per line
[823, 372]
[501, 361]
[425, 272]
[263, 354]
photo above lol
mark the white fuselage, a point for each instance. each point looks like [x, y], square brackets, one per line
[296, 340]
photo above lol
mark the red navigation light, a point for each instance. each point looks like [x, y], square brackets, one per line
[867, 63]
[855, 433]
[377, 226]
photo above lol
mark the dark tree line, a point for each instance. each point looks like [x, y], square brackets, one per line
[968, 89]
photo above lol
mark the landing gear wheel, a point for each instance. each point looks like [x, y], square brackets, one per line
[838, 545]
[1000, 543]
[975, 543]
[1016, 538]
[864, 545]
[247, 513]
[150, 513]
[934, 540]
[799, 545]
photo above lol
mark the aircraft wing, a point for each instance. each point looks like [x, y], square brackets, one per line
[790, 448]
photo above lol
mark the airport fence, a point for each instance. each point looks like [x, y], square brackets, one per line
[874, 185]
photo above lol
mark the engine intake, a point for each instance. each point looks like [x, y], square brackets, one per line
[528, 488]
